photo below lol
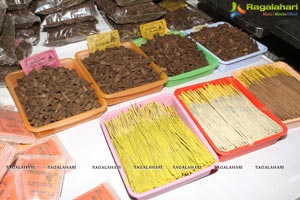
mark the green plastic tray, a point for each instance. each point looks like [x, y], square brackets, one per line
[191, 75]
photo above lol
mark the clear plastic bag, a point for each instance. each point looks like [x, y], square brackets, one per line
[7, 155]
[45, 7]
[18, 4]
[127, 32]
[31, 35]
[142, 12]
[189, 17]
[80, 13]
[42, 178]
[23, 48]
[130, 2]
[63, 35]
[7, 42]
[3, 7]
[24, 18]
[6, 69]
[12, 128]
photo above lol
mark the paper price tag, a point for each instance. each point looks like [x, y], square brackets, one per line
[153, 28]
[104, 40]
[37, 61]
[199, 27]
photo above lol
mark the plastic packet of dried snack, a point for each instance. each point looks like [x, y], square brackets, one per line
[67, 34]
[3, 7]
[24, 18]
[130, 2]
[142, 12]
[7, 155]
[7, 42]
[8, 182]
[83, 12]
[31, 35]
[189, 17]
[51, 146]
[12, 128]
[103, 191]
[39, 176]
[46, 7]
[18, 4]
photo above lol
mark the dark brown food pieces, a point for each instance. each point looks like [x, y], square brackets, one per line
[52, 94]
[281, 94]
[117, 69]
[225, 41]
[175, 54]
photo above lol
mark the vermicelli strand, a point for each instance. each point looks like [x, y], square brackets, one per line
[228, 117]
[154, 135]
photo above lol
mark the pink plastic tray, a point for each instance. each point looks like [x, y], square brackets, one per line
[167, 99]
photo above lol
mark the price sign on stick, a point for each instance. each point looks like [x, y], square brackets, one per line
[104, 40]
[158, 27]
[37, 61]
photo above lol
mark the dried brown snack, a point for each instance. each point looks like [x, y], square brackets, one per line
[225, 41]
[118, 69]
[53, 94]
[175, 54]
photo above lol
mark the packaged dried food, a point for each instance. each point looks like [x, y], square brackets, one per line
[7, 42]
[7, 155]
[23, 48]
[63, 35]
[41, 177]
[50, 146]
[102, 191]
[189, 17]
[6, 69]
[18, 4]
[127, 32]
[3, 7]
[31, 35]
[130, 14]
[45, 7]
[24, 18]
[12, 128]
[80, 13]
[130, 2]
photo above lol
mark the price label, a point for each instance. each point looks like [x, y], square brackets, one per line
[158, 27]
[199, 27]
[38, 61]
[104, 40]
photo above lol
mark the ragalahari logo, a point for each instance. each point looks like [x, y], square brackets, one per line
[236, 10]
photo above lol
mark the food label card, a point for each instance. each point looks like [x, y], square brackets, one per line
[37, 61]
[150, 29]
[104, 40]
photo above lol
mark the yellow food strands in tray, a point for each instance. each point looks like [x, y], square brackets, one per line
[155, 146]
